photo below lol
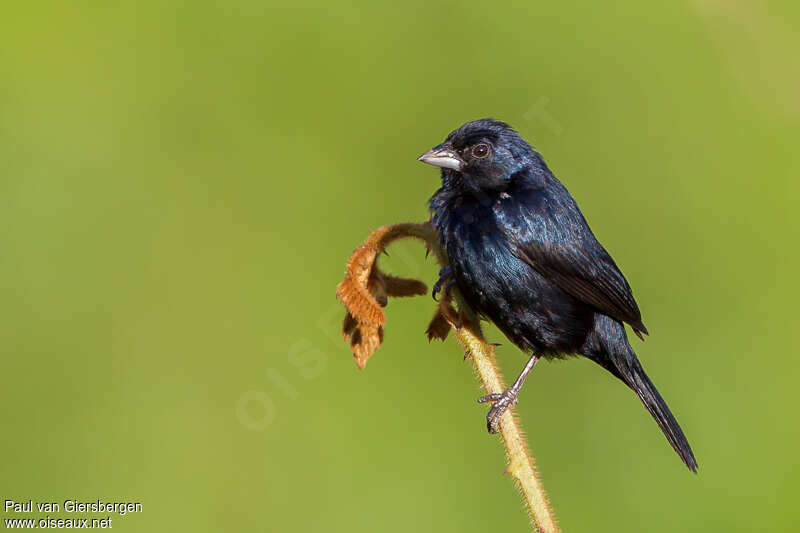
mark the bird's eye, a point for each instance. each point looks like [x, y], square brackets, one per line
[480, 150]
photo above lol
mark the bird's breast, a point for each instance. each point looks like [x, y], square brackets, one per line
[496, 283]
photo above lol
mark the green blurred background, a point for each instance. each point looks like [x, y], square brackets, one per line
[181, 184]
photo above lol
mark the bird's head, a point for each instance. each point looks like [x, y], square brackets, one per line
[481, 155]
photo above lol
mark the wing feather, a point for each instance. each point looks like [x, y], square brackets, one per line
[590, 276]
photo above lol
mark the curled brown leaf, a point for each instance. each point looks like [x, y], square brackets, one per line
[365, 290]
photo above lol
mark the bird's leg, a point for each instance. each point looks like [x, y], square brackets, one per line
[444, 273]
[507, 398]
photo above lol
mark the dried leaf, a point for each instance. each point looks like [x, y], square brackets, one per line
[444, 318]
[439, 327]
[348, 325]
[396, 286]
[353, 291]
[365, 290]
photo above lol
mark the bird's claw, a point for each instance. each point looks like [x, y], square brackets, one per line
[501, 402]
[445, 291]
[444, 274]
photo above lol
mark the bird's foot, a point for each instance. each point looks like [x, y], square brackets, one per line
[444, 274]
[502, 401]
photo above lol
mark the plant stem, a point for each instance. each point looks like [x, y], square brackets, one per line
[520, 461]
[521, 464]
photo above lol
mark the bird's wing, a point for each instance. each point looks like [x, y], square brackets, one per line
[588, 273]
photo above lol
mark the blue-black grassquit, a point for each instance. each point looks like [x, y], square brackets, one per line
[523, 256]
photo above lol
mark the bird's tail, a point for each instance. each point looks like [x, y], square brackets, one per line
[634, 376]
[609, 347]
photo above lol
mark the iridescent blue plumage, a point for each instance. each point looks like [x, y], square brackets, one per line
[523, 256]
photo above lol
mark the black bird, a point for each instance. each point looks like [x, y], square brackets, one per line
[523, 256]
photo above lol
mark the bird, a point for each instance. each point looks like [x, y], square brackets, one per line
[522, 256]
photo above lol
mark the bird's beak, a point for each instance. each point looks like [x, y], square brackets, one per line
[442, 156]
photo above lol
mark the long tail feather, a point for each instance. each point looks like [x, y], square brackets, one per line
[608, 346]
[635, 377]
